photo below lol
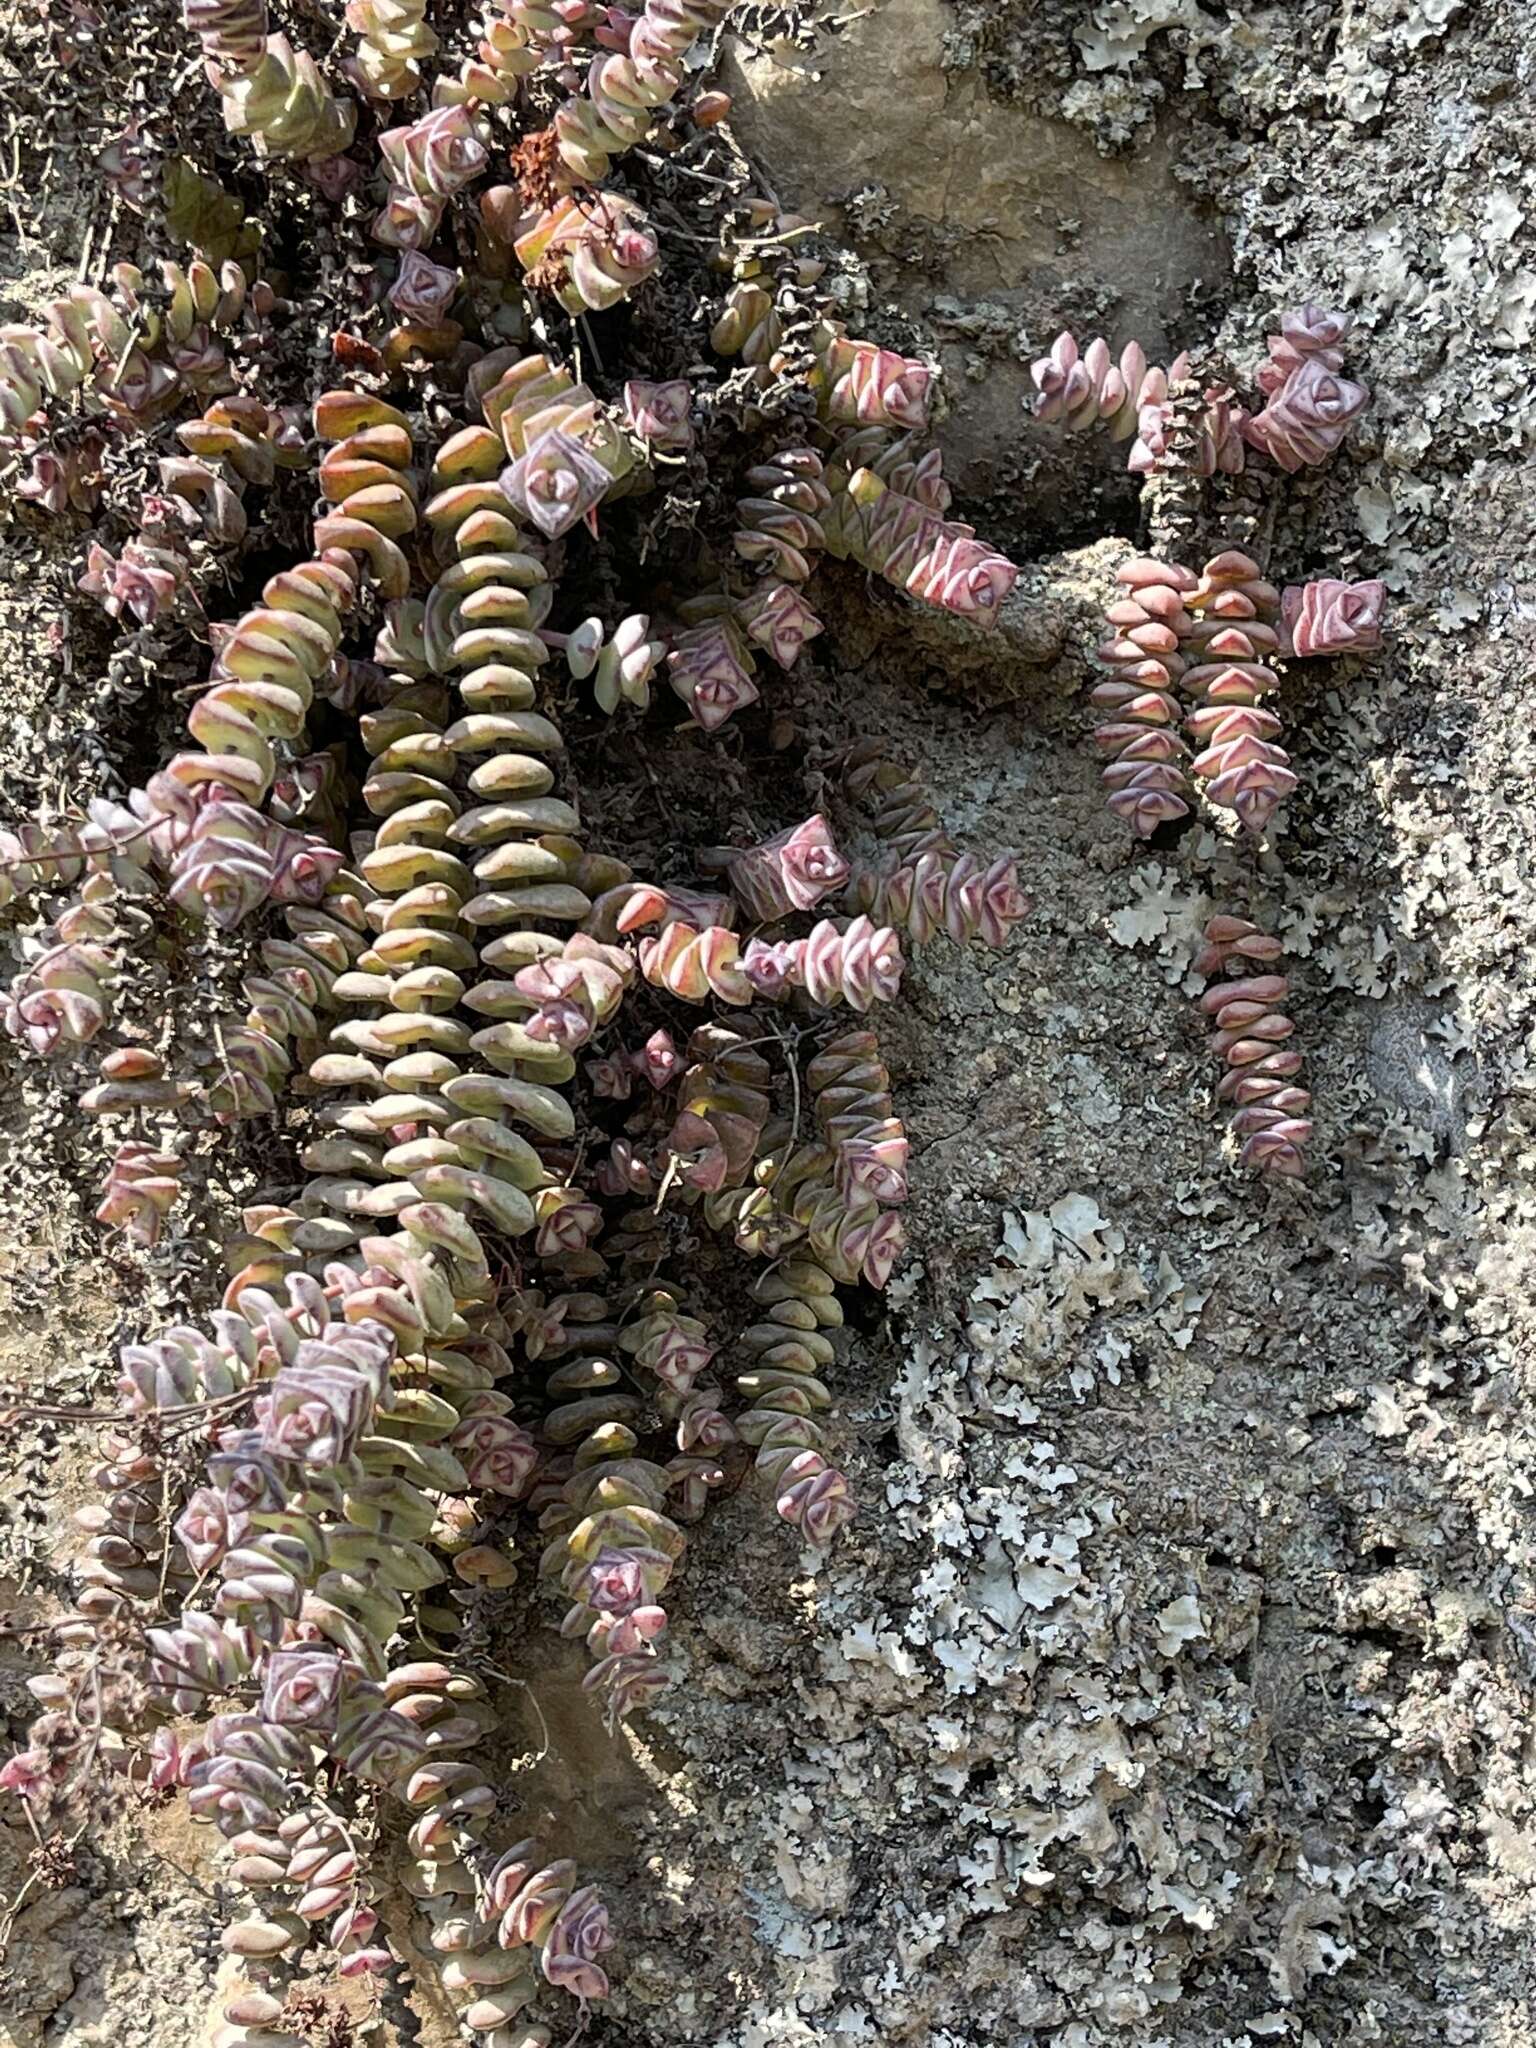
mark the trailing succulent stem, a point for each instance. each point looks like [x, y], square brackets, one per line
[1252, 1039]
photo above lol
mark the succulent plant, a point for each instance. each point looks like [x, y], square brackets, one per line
[626, 89]
[1146, 779]
[860, 384]
[619, 664]
[426, 163]
[780, 521]
[1232, 637]
[790, 1350]
[423, 290]
[61, 997]
[660, 413]
[272, 94]
[394, 40]
[749, 326]
[778, 619]
[233, 33]
[936, 892]
[1090, 387]
[223, 868]
[898, 808]
[1251, 1034]
[1198, 431]
[1331, 617]
[1309, 407]
[859, 964]
[141, 1190]
[695, 965]
[143, 580]
[924, 884]
[791, 871]
[265, 673]
[903, 538]
[130, 352]
[710, 667]
[555, 482]
[592, 251]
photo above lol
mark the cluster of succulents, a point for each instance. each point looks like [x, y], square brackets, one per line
[373, 1391]
[124, 356]
[1191, 656]
[1308, 406]
[1194, 652]
[519, 1075]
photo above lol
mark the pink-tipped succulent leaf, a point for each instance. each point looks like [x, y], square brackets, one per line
[1331, 617]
